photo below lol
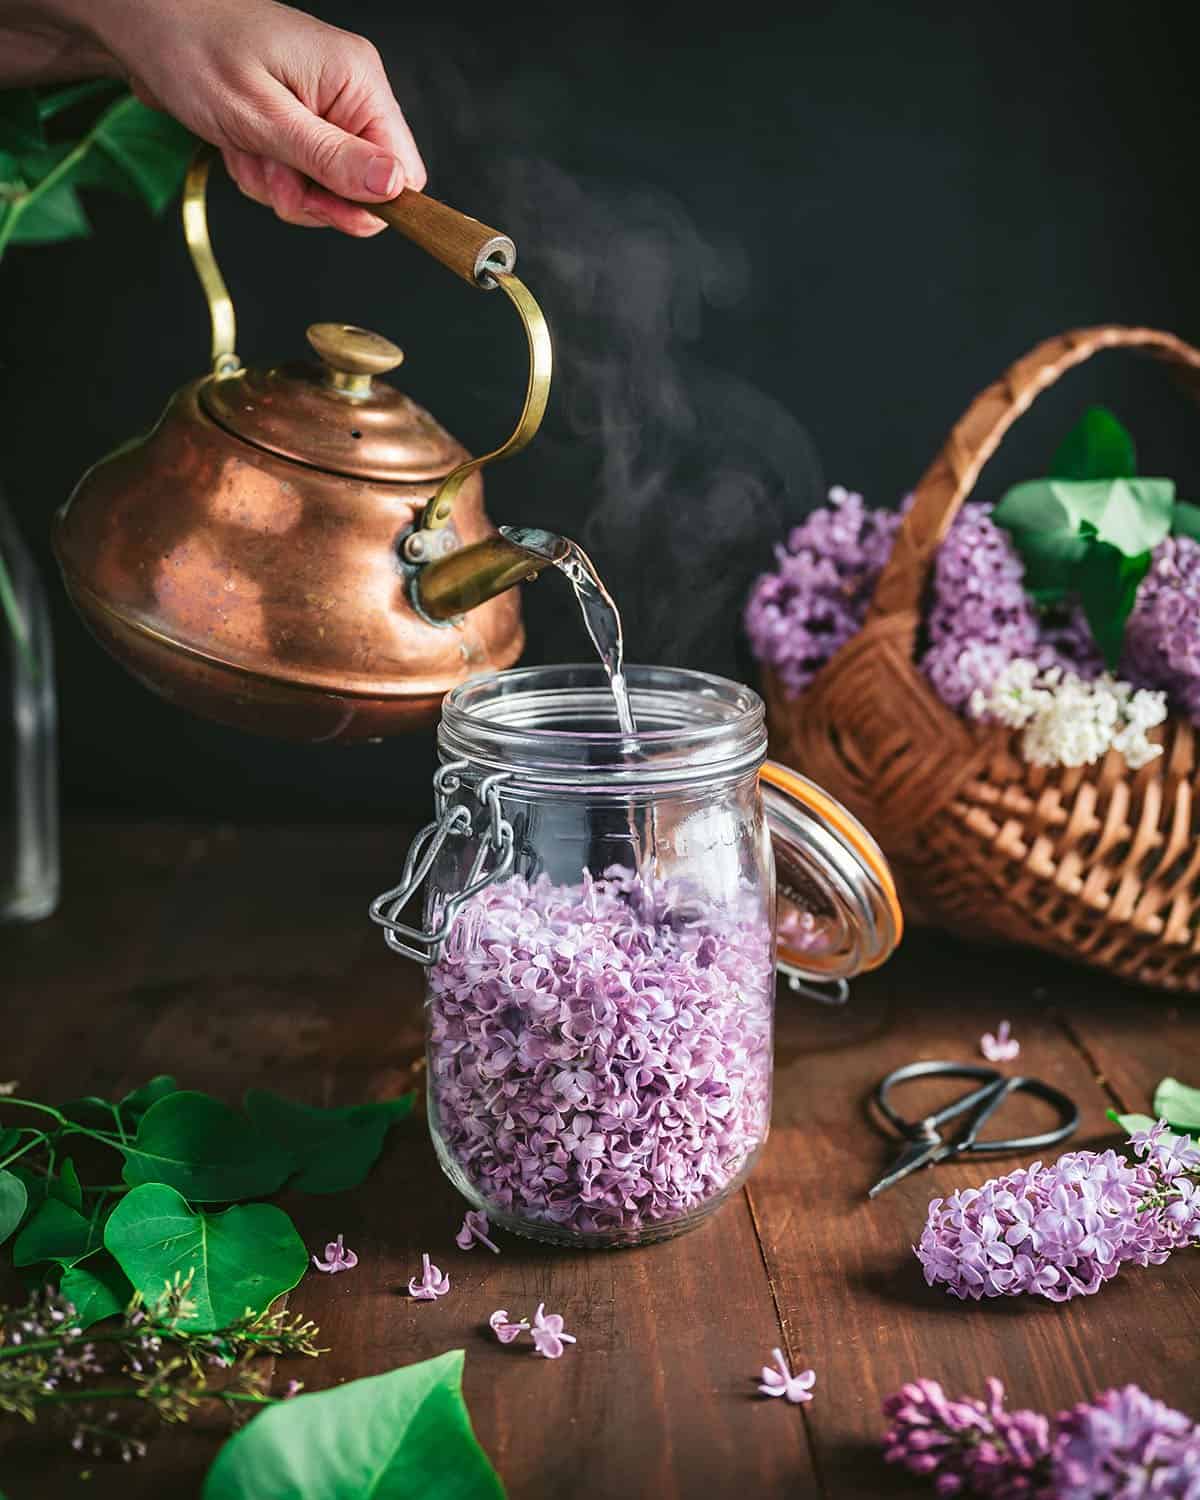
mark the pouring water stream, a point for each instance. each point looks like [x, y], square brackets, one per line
[603, 622]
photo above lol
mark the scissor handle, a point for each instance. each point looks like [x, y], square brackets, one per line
[1066, 1107]
[985, 1100]
[934, 1070]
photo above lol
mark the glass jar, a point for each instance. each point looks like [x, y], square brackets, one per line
[599, 931]
[29, 854]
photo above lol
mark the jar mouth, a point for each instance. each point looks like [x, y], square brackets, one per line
[559, 723]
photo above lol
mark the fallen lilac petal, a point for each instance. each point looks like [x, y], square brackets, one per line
[505, 1331]
[781, 1381]
[294, 1387]
[337, 1258]
[474, 1230]
[432, 1284]
[1002, 1047]
[548, 1335]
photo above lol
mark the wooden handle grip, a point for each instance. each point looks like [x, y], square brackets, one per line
[952, 475]
[467, 247]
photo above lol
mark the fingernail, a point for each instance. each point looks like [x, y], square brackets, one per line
[383, 176]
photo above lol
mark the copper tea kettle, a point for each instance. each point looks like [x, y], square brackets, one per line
[293, 549]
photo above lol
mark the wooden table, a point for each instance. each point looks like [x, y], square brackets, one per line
[231, 957]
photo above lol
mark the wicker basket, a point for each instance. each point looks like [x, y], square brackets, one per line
[1100, 864]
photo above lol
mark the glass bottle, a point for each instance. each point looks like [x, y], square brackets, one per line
[599, 932]
[29, 852]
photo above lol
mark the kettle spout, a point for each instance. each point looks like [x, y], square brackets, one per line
[459, 582]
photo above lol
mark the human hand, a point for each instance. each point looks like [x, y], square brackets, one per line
[301, 111]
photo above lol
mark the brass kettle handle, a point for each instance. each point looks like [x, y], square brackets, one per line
[474, 251]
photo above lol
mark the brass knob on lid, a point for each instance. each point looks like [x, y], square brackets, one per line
[352, 355]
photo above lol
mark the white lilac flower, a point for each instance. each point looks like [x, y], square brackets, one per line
[1069, 721]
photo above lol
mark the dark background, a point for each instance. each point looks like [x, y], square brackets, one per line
[775, 255]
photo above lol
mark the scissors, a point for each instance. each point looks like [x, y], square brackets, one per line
[924, 1143]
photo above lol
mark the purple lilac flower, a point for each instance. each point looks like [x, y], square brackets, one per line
[1125, 1443]
[779, 1381]
[474, 1231]
[1122, 1445]
[816, 599]
[1162, 635]
[968, 1446]
[548, 1335]
[1000, 1047]
[979, 618]
[600, 1053]
[503, 1327]
[1061, 1231]
[337, 1258]
[432, 1284]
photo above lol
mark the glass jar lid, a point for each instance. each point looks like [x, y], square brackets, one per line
[555, 729]
[837, 911]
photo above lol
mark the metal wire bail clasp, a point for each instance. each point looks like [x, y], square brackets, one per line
[493, 861]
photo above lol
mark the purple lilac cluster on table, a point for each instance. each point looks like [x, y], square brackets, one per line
[600, 1053]
[1061, 1231]
[980, 617]
[1121, 1445]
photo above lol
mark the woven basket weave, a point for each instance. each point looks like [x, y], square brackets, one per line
[1099, 863]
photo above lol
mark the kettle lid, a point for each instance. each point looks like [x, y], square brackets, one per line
[338, 416]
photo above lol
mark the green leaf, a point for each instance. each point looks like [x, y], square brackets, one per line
[55, 1232]
[1046, 534]
[13, 1199]
[1130, 1123]
[96, 1290]
[1136, 514]
[35, 1188]
[66, 1186]
[1132, 515]
[385, 1437]
[1185, 520]
[138, 1101]
[53, 215]
[20, 124]
[244, 1257]
[1097, 447]
[330, 1149]
[1108, 582]
[49, 105]
[1177, 1104]
[208, 1151]
[150, 148]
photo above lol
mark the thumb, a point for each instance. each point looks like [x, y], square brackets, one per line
[345, 164]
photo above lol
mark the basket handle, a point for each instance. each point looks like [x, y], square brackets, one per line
[952, 475]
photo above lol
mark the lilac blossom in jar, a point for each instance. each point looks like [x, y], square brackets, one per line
[600, 1054]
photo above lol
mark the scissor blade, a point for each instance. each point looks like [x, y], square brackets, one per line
[916, 1154]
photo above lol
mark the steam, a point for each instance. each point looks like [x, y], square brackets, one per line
[677, 477]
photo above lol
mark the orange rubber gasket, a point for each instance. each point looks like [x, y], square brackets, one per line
[849, 828]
